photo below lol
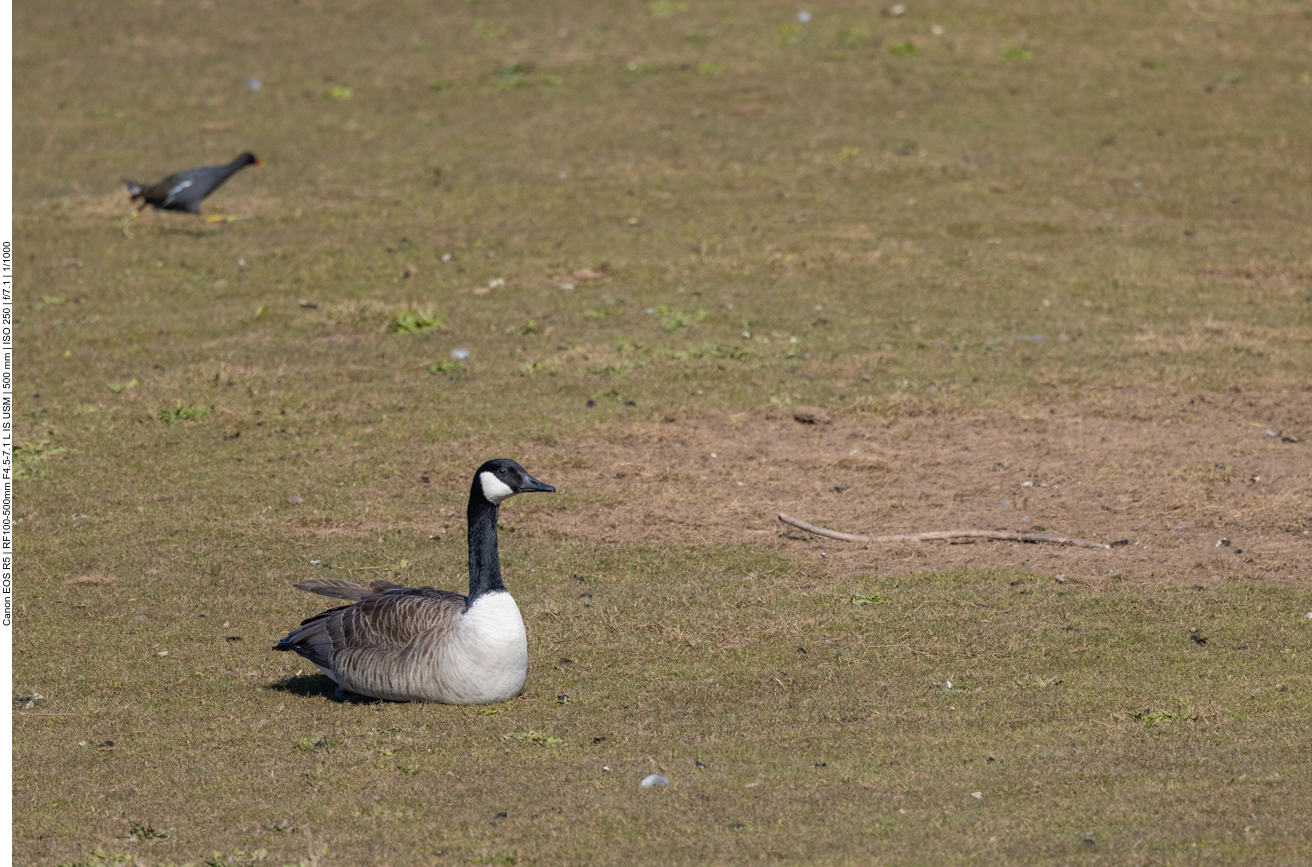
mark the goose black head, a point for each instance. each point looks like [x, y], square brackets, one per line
[502, 478]
[250, 159]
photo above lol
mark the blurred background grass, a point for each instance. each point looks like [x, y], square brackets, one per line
[1032, 200]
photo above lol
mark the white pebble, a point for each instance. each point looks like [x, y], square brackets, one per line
[804, 16]
[978, 796]
[654, 780]
[460, 354]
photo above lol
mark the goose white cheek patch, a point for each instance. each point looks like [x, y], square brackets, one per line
[494, 489]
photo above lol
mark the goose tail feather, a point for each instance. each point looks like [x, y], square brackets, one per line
[311, 640]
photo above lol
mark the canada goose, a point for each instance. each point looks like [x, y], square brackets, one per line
[420, 644]
[184, 191]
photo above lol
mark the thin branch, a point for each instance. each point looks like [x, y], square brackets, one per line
[945, 534]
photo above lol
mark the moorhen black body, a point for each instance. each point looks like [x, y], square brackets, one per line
[184, 191]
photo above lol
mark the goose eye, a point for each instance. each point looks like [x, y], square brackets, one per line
[501, 471]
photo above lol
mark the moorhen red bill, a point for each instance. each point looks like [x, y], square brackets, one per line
[184, 191]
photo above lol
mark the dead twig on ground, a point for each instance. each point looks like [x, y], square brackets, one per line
[944, 534]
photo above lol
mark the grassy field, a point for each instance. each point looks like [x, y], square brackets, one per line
[655, 227]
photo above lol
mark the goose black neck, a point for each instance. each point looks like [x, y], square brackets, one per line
[484, 561]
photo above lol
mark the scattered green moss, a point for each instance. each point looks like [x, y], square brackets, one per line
[412, 322]
[181, 413]
[443, 367]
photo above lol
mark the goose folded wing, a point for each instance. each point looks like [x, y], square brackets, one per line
[393, 618]
[380, 622]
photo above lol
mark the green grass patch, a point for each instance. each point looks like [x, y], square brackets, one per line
[411, 322]
[438, 368]
[181, 413]
[29, 457]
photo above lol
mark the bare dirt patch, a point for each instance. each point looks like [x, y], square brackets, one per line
[1199, 497]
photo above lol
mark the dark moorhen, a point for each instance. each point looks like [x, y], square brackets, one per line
[184, 191]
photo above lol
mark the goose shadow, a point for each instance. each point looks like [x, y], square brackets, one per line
[320, 686]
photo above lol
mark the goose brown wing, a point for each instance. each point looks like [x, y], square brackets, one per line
[383, 585]
[385, 622]
[390, 645]
[392, 618]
